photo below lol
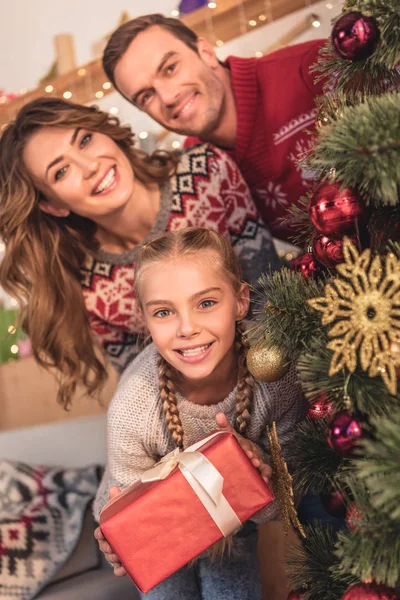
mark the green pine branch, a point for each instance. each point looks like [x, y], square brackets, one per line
[316, 464]
[372, 549]
[282, 315]
[377, 74]
[362, 150]
[380, 471]
[315, 568]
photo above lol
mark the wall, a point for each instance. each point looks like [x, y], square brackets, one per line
[26, 38]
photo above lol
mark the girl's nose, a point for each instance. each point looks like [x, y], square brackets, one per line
[187, 327]
[90, 166]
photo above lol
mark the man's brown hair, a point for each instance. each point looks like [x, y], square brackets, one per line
[124, 35]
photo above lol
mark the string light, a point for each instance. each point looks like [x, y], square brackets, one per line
[114, 110]
[315, 21]
[329, 6]
[212, 5]
[11, 329]
[48, 88]
[106, 85]
[176, 144]
[143, 135]
[258, 54]
[14, 349]
[252, 23]
[81, 72]
[175, 13]
[219, 43]
[262, 18]
[99, 94]
[67, 95]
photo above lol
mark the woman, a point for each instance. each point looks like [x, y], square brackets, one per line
[77, 200]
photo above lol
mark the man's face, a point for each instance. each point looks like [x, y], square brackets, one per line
[173, 84]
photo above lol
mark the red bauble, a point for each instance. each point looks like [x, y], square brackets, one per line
[307, 265]
[335, 504]
[297, 595]
[343, 432]
[329, 251]
[355, 36]
[333, 211]
[320, 408]
[353, 517]
[370, 591]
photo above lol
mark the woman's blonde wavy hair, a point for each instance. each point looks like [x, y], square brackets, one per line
[44, 254]
[187, 242]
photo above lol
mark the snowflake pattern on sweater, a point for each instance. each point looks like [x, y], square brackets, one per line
[207, 190]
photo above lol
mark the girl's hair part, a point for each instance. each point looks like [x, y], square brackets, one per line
[44, 254]
[186, 242]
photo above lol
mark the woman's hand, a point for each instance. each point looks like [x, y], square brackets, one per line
[105, 546]
[251, 449]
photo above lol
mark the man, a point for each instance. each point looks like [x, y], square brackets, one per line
[259, 110]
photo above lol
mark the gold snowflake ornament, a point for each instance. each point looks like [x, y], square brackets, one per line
[364, 307]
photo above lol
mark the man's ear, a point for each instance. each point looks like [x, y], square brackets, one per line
[207, 53]
[55, 211]
[243, 302]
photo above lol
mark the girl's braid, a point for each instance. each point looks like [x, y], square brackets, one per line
[245, 385]
[169, 403]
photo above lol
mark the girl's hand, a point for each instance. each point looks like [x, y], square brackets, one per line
[251, 449]
[105, 546]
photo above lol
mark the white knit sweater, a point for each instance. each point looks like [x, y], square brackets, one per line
[138, 435]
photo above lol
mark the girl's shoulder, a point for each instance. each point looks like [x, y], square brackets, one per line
[138, 387]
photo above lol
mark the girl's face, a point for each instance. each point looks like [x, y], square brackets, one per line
[80, 171]
[190, 309]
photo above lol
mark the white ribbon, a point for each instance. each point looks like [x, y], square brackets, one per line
[204, 479]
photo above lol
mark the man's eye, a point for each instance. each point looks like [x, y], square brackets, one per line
[162, 313]
[85, 139]
[145, 98]
[60, 173]
[170, 68]
[207, 303]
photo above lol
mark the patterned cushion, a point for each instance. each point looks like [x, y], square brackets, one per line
[41, 515]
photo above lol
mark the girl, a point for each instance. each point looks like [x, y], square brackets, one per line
[192, 378]
[76, 201]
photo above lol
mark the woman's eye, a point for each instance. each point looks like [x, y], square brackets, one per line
[207, 303]
[60, 173]
[85, 139]
[162, 313]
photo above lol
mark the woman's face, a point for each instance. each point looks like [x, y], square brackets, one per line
[79, 171]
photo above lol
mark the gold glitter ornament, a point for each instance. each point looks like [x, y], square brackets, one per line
[365, 311]
[282, 483]
[266, 364]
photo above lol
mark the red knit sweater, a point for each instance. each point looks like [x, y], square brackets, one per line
[275, 112]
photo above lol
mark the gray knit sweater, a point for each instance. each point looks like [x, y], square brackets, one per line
[138, 435]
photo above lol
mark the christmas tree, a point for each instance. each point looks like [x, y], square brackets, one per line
[336, 313]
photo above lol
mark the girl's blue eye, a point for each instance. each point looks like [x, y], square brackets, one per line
[207, 303]
[60, 173]
[162, 313]
[170, 68]
[86, 139]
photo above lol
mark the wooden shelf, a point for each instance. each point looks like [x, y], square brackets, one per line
[227, 21]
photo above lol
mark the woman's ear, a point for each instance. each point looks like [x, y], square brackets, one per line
[54, 211]
[243, 302]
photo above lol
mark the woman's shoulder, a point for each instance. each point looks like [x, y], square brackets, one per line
[198, 157]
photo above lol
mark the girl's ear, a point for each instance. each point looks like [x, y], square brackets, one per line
[55, 211]
[243, 301]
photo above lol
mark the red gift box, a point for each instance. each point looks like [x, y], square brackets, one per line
[156, 526]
